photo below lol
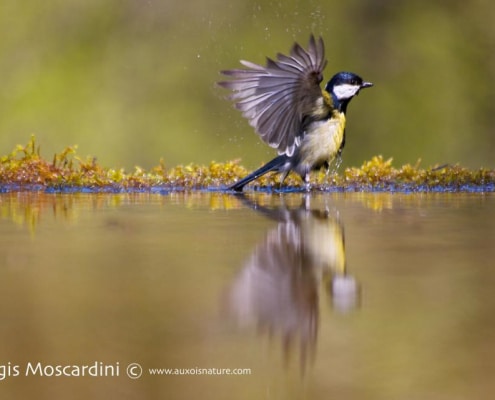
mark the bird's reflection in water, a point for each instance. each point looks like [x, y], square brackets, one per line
[278, 288]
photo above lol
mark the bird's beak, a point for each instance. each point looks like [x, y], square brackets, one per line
[366, 85]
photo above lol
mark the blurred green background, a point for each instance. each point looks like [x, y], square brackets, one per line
[133, 81]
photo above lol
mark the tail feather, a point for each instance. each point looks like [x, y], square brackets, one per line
[274, 165]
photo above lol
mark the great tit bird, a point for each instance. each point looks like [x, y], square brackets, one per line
[284, 103]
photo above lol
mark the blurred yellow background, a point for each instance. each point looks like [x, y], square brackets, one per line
[133, 81]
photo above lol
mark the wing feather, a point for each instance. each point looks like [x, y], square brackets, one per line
[278, 98]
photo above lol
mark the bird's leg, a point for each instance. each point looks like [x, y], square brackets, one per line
[284, 175]
[307, 183]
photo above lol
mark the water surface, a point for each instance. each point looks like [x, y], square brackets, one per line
[355, 296]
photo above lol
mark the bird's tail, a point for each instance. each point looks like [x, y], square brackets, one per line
[275, 165]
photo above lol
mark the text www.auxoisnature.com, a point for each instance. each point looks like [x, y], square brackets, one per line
[199, 371]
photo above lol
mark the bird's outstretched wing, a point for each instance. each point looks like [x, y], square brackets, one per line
[277, 98]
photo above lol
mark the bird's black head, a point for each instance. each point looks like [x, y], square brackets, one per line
[344, 86]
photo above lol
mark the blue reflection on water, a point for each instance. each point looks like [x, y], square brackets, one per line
[167, 189]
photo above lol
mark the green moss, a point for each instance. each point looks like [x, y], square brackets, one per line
[25, 169]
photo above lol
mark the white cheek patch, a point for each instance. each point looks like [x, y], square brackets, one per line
[345, 91]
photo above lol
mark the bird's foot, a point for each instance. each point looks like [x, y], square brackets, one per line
[307, 183]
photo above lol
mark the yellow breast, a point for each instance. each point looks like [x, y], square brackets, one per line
[323, 140]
